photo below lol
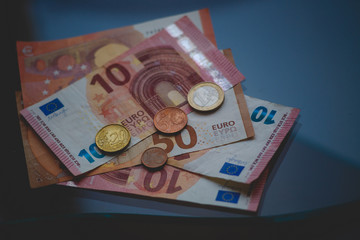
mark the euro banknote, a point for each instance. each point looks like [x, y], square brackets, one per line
[129, 90]
[244, 161]
[42, 73]
[177, 184]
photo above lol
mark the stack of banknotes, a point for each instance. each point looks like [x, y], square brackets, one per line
[73, 87]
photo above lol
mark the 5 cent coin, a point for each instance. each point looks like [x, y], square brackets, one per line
[206, 96]
[170, 120]
[112, 138]
[154, 157]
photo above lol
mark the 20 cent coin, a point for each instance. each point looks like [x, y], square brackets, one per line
[112, 138]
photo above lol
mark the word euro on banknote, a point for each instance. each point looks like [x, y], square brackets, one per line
[177, 184]
[243, 161]
[47, 66]
[129, 90]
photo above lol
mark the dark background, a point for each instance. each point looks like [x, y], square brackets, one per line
[304, 54]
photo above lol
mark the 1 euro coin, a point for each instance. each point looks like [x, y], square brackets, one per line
[206, 96]
[112, 138]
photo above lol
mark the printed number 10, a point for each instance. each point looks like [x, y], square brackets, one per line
[93, 151]
[256, 117]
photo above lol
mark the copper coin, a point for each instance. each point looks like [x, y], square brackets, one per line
[170, 120]
[154, 157]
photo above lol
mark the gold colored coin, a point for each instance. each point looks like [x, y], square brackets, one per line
[112, 138]
[206, 96]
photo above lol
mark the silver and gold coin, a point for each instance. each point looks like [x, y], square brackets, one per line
[112, 138]
[206, 96]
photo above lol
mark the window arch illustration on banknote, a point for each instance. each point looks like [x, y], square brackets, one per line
[165, 80]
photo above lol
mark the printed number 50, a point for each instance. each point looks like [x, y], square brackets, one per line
[178, 139]
[256, 117]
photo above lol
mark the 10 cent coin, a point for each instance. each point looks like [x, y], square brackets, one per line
[206, 96]
[112, 138]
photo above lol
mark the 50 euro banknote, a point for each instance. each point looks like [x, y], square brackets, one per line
[129, 90]
[176, 184]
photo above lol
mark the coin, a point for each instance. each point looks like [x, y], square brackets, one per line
[170, 120]
[206, 96]
[154, 157]
[112, 138]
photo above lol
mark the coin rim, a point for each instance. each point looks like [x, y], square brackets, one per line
[157, 166]
[163, 110]
[217, 104]
[113, 124]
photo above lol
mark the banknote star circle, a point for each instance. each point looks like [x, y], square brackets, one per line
[231, 169]
[228, 197]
